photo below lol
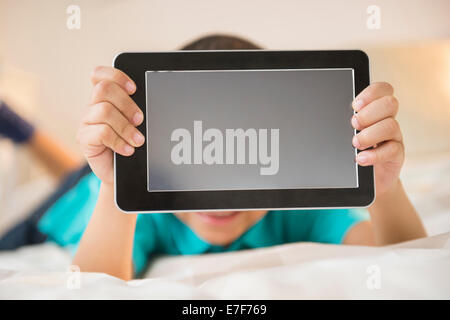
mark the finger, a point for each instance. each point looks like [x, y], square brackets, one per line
[388, 151]
[371, 93]
[115, 75]
[97, 136]
[108, 91]
[387, 129]
[105, 112]
[382, 108]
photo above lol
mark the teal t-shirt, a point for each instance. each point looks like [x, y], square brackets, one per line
[162, 233]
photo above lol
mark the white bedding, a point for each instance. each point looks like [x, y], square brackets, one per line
[418, 269]
[412, 270]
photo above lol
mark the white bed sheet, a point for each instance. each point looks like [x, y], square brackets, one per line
[417, 269]
[412, 270]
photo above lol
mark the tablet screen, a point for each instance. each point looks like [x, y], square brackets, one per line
[250, 129]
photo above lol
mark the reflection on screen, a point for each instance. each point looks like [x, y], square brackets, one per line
[250, 129]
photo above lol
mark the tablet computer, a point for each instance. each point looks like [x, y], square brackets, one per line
[244, 130]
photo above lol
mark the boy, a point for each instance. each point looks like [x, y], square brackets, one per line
[121, 244]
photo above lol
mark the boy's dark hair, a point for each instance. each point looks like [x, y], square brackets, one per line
[220, 42]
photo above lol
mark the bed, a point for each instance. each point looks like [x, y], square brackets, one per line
[411, 270]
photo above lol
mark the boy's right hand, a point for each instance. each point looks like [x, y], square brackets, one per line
[110, 122]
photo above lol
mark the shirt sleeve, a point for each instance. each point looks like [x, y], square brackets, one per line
[65, 221]
[331, 226]
[144, 243]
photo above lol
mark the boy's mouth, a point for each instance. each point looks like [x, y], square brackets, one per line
[218, 218]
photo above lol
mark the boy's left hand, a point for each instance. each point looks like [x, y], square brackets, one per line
[376, 109]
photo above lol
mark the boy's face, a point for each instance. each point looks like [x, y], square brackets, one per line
[220, 228]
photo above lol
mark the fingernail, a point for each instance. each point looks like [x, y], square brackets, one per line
[355, 123]
[138, 138]
[130, 87]
[355, 142]
[357, 104]
[128, 149]
[138, 117]
[362, 159]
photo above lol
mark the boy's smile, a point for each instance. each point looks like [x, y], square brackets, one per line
[218, 218]
[221, 227]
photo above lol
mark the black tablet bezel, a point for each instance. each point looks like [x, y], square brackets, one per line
[131, 193]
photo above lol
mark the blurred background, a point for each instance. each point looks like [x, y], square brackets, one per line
[45, 68]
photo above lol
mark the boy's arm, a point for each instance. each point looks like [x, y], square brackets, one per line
[393, 217]
[109, 125]
[107, 243]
